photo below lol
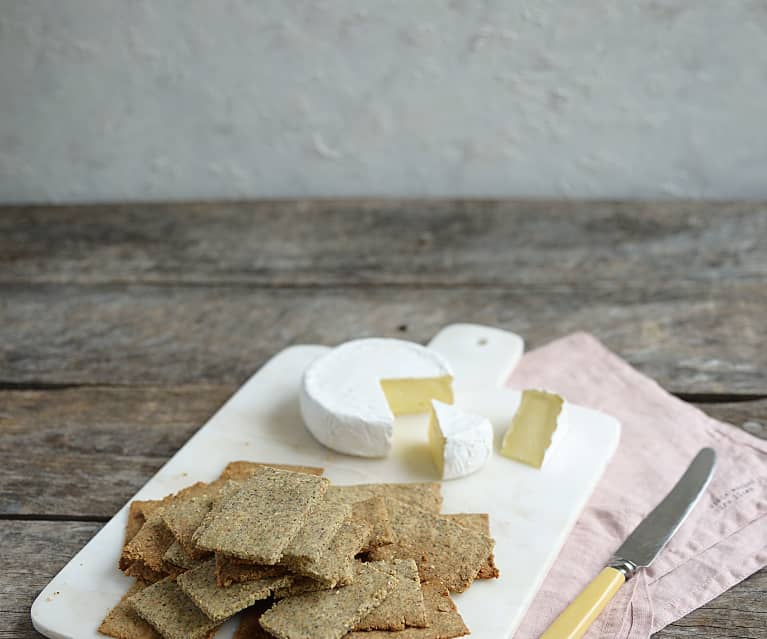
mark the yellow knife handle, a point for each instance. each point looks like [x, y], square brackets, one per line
[585, 608]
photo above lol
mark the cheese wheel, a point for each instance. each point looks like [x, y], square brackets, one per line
[350, 396]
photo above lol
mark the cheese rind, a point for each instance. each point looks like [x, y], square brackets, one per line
[539, 424]
[350, 395]
[460, 442]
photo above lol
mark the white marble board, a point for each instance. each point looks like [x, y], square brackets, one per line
[531, 511]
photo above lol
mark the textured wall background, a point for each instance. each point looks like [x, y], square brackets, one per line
[135, 100]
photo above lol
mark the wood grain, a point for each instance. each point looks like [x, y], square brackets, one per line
[610, 245]
[123, 328]
[691, 339]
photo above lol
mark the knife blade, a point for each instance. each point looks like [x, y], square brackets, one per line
[639, 549]
[642, 546]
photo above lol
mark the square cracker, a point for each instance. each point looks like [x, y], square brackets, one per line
[444, 550]
[424, 495]
[217, 603]
[241, 470]
[441, 613]
[171, 612]
[481, 523]
[122, 622]
[259, 521]
[403, 606]
[329, 614]
[336, 565]
[322, 524]
[148, 546]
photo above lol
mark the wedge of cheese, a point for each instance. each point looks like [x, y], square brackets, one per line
[460, 442]
[351, 395]
[538, 426]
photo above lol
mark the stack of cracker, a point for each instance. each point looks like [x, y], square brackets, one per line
[303, 559]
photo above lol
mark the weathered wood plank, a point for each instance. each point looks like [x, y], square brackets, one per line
[92, 448]
[601, 244]
[695, 338]
[35, 551]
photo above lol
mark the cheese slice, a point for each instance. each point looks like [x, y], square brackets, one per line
[538, 425]
[350, 396]
[460, 442]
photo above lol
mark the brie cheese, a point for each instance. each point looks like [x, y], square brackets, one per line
[538, 426]
[350, 396]
[460, 442]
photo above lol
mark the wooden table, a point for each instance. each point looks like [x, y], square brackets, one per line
[122, 328]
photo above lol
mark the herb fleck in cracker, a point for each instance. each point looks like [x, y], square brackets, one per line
[261, 519]
[443, 550]
[404, 605]
[171, 612]
[329, 614]
[217, 603]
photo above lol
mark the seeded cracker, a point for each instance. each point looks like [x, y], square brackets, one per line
[374, 512]
[241, 470]
[148, 547]
[323, 523]
[176, 556]
[171, 612]
[443, 550]
[404, 605]
[427, 496]
[444, 620]
[221, 603]
[336, 565]
[481, 523]
[329, 614]
[261, 519]
[230, 570]
[122, 622]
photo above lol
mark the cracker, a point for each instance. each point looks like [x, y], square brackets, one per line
[299, 585]
[481, 523]
[426, 495]
[184, 515]
[323, 522]
[329, 614]
[241, 470]
[217, 603]
[149, 544]
[441, 614]
[138, 511]
[443, 550]
[261, 519]
[250, 622]
[230, 570]
[171, 612]
[176, 556]
[336, 565]
[122, 622]
[404, 606]
[374, 512]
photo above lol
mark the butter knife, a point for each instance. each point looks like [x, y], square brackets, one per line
[638, 551]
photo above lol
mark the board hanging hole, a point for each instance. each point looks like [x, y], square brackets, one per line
[482, 341]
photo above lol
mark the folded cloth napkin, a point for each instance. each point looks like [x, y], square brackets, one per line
[723, 541]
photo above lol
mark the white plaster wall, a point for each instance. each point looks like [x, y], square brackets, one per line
[136, 100]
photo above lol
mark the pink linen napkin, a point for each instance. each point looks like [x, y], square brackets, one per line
[723, 541]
